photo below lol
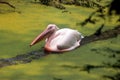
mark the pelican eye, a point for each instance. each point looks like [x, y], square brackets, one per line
[50, 27]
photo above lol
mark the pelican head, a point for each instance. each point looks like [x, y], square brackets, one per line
[51, 28]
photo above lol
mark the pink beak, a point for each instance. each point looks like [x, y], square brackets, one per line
[40, 37]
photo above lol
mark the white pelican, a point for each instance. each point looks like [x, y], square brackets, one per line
[59, 40]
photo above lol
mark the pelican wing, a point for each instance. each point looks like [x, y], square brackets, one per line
[66, 39]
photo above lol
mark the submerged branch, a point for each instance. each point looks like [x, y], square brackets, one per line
[1, 2]
[102, 36]
[28, 57]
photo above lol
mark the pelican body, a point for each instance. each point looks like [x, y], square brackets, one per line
[59, 40]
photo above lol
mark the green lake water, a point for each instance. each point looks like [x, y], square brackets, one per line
[18, 29]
